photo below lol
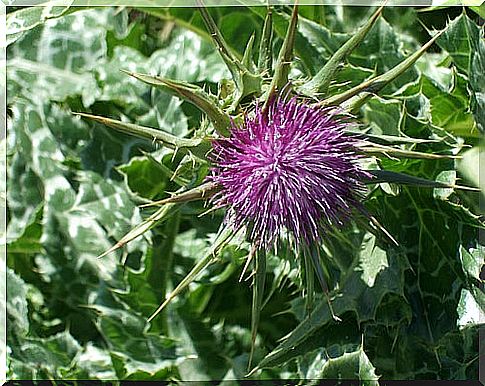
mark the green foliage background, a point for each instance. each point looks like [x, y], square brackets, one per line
[409, 312]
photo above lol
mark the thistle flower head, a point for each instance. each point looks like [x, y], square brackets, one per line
[293, 169]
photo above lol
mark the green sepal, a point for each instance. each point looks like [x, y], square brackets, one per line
[321, 81]
[193, 94]
[247, 60]
[155, 219]
[197, 146]
[247, 82]
[231, 61]
[374, 85]
[314, 254]
[200, 192]
[374, 148]
[406, 179]
[384, 139]
[282, 68]
[265, 57]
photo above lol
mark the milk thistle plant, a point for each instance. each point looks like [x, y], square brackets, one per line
[308, 193]
[285, 163]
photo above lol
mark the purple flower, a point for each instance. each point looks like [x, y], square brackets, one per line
[293, 170]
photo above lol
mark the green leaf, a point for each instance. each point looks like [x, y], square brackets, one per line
[353, 365]
[447, 177]
[446, 108]
[79, 215]
[393, 46]
[440, 229]
[28, 75]
[145, 177]
[200, 354]
[23, 20]
[135, 353]
[384, 116]
[434, 67]
[17, 312]
[456, 41]
[36, 169]
[471, 311]
[107, 201]
[464, 42]
[29, 241]
[354, 295]
[349, 76]
[372, 259]
[459, 353]
[47, 70]
[91, 363]
[472, 262]
[45, 358]
[479, 10]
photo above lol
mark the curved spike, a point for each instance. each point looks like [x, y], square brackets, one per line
[265, 57]
[248, 54]
[282, 68]
[249, 259]
[317, 266]
[141, 228]
[197, 145]
[193, 94]
[232, 63]
[225, 235]
[198, 193]
[321, 81]
[374, 148]
[383, 139]
[406, 179]
[376, 84]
